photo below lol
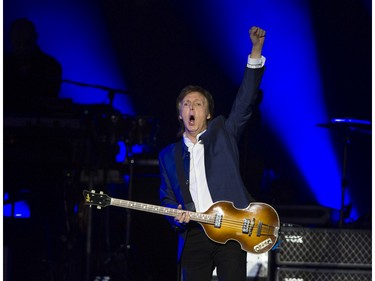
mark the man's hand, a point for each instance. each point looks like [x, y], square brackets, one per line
[183, 217]
[257, 36]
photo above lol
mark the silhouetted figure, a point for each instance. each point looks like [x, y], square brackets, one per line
[31, 77]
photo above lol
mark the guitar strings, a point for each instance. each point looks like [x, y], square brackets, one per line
[235, 224]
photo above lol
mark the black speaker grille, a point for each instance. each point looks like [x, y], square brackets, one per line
[324, 247]
[303, 274]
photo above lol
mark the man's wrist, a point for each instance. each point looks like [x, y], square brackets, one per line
[255, 62]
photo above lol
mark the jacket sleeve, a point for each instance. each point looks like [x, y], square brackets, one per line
[167, 195]
[244, 102]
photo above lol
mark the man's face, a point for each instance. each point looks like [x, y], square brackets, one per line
[194, 113]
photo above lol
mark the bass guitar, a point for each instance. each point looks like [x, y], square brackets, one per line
[255, 228]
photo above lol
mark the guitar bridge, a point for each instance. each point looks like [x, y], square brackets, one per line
[217, 221]
[259, 232]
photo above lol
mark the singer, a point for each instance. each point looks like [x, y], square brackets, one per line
[203, 167]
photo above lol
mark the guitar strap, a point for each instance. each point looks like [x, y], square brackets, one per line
[182, 166]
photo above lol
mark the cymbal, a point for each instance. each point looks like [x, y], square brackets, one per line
[361, 126]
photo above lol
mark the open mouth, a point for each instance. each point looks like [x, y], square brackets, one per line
[191, 120]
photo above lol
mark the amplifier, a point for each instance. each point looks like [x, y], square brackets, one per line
[306, 274]
[324, 248]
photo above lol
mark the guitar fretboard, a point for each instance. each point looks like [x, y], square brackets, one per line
[199, 217]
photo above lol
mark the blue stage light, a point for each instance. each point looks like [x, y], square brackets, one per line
[18, 209]
[7, 210]
[21, 209]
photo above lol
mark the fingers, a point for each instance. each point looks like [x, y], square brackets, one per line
[182, 217]
[257, 31]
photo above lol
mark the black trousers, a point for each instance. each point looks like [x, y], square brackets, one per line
[201, 255]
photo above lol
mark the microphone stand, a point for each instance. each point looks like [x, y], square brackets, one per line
[344, 181]
[126, 247]
[130, 155]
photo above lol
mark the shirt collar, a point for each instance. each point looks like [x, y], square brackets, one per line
[188, 142]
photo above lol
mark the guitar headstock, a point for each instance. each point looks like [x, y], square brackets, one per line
[96, 199]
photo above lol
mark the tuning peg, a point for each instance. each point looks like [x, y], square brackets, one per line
[98, 207]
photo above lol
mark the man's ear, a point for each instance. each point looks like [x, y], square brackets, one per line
[208, 116]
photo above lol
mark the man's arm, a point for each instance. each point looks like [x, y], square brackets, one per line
[246, 96]
[257, 36]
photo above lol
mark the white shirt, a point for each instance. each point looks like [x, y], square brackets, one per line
[197, 176]
[255, 63]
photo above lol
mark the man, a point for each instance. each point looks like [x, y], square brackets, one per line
[204, 168]
[31, 77]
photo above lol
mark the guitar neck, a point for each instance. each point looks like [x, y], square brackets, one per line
[198, 217]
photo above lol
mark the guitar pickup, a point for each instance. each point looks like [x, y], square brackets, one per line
[247, 226]
[217, 221]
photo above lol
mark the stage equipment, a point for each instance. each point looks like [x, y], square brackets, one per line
[308, 274]
[322, 254]
[81, 138]
[322, 247]
[348, 126]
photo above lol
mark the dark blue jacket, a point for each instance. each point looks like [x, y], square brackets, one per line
[220, 153]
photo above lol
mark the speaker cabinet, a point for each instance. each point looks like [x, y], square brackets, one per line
[308, 274]
[342, 248]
